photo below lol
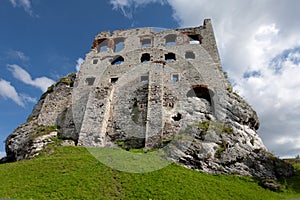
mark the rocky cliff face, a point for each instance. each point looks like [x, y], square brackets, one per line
[228, 147]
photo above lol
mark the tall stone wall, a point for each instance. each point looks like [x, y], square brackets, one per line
[165, 60]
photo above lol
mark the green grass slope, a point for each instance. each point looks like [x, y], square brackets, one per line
[72, 173]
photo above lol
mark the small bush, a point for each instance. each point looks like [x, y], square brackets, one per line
[204, 126]
[229, 89]
[226, 129]
[66, 80]
[222, 148]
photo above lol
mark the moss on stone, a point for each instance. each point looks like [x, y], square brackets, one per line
[221, 149]
[43, 130]
[67, 80]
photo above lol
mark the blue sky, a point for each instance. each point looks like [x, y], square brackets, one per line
[41, 41]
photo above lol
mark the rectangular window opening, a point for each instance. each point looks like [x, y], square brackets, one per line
[195, 39]
[146, 42]
[95, 61]
[103, 45]
[170, 40]
[175, 78]
[114, 79]
[144, 79]
[119, 44]
[90, 81]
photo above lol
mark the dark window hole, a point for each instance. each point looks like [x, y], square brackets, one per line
[114, 80]
[177, 117]
[145, 57]
[170, 57]
[118, 60]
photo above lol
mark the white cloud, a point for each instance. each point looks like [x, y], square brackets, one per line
[26, 4]
[17, 55]
[2, 154]
[8, 91]
[128, 6]
[42, 82]
[250, 35]
[28, 99]
[79, 63]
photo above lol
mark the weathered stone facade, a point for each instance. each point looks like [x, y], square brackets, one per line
[149, 88]
[137, 80]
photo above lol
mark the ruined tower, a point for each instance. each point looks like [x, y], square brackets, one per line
[137, 86]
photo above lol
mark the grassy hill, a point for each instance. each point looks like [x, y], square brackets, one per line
[72, 173]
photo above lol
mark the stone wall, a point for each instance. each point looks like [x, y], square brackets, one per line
[174, 60]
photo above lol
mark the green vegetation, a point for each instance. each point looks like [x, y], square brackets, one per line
[226, 129]
[229, 89]
[222, 148]
[236, 94]
[120, 144]
[49, 90]
[293, 183]
[217, 126]
[72, 173]
[67, 80]
[204, 126]
[43, 130]
[225, 74]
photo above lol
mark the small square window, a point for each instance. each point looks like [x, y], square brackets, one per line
[114, 79]
[95, 61]
[175, 78]
[146, 42]
[170, 40]
[90, 81]
[144, 79]
[189, 55]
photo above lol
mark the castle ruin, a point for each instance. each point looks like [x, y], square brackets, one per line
[149, 88]
[142, 86]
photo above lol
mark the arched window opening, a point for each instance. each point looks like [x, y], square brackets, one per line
[145, 57]
[170, 40]
[146, 42]
[170, 57]
[177, 117]
[90, 80]
[189, 55]
[195, 39]
[200, 91]
[102, 45]
[119, 44]
[118, 60]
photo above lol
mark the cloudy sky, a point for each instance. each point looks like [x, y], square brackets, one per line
[258, 41]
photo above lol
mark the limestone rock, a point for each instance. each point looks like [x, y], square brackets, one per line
[26, 141]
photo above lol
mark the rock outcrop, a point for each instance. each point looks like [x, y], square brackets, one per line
[230, 147]
[45, 124]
